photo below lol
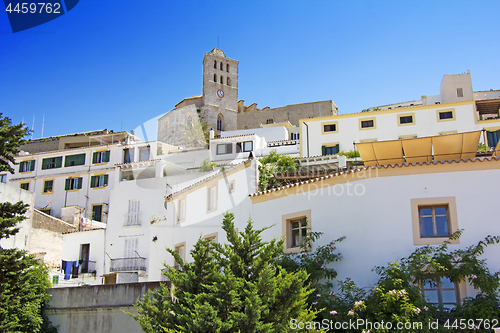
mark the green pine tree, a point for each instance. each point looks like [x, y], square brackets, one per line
[232, 287]
[23, 279]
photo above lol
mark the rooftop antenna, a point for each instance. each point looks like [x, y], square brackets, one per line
[43, 122]
[32, 128]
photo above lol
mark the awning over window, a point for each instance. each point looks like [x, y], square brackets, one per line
[442, 147]
[497, 150]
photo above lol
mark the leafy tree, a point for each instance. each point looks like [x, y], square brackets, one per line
[11, 137]
[234, 287]
[206, 165]
[23, 279]
[274, 164]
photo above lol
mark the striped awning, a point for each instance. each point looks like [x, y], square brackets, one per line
[441, 147]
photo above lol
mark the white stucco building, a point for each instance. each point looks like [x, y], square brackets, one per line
[330, 135]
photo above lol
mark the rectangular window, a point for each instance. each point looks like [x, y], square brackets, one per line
[440, 291]
[330, 149]
[231, 186]
[133, 216]
[366, 123]
[434, 221]
[212, 198]
[296, 227]
[25, 186]
[445, 115]
[460, 92]
[98, 181]
[27, 166]
[73, 184]
[298, 232]
[47, 211]
[48, 186]
[493, 137]
[3, 178]
[131, 247]
[244, 146]
[51, 163]
[181, 251]
[128, 155]
[330, 128]
[144, 154]
[100, 157]
[181, 210]
[73, 160]
[226, 148]
[406, 120]
[97, 212]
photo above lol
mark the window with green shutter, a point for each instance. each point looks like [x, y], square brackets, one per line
[97, 213]
[48, 186]
[73, 184]
[27, 166]
[100, 157]
[99, 181]
[329, 150]
[25, 186]
[51, 162]
[493, 137]
[72, 160]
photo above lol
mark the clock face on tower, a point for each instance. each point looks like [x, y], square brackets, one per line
[220, 93]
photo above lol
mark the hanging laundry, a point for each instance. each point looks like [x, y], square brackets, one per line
[63, 266]
[67, 270]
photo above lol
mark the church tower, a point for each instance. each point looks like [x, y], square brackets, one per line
[220, 91]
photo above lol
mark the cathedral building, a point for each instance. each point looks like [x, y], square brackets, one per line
[219, 107]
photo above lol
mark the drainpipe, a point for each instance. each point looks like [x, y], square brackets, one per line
[307, 133]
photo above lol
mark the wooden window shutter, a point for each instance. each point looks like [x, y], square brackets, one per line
[106, 158]
[337, 147]
[323, 150]
[105, 180]
[94, 157]
[32, 165]
[68, 184]
[79, 183]
[92, 181]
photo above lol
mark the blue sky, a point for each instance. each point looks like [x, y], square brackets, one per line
[117, 64]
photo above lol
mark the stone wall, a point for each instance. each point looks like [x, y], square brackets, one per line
[97, 309]
[252, 117]
[50, 223]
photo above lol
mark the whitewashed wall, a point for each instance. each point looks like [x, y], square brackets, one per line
[198, 222]
[377, 220]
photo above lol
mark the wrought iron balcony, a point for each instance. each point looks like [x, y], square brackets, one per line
[128, 264]
[88, 266]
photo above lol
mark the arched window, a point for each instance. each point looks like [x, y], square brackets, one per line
[222, 79]
[220, 122]
[215, 77]
[221, 66]
[228, 81]
[227, 68]
[215, 64]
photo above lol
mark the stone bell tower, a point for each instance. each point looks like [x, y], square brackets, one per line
[220, 91]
